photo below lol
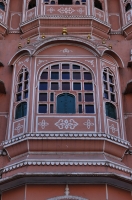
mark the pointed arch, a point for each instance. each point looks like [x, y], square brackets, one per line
[69, 40]
[67, 197]
[115, 56]
[19, 54]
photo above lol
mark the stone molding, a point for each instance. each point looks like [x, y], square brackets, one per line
[67, 197]
[64, 17]
[66, 163]
[99, 136]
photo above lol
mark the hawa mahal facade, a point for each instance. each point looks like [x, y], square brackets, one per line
[65, 99]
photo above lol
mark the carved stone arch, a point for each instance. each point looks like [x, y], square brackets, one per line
[115, 56]
[68, 39]
[69, 197]
[14, 59]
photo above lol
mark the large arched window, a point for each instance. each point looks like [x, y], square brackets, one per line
[2, 6]
[21, 110]
[98, 4]
[66, 82]
[32, 4]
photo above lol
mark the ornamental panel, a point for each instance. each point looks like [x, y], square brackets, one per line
[65, 10]
[100, 14]
[113, 128]
[65, 123]
[19, 127]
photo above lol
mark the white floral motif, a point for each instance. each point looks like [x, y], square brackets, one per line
[41, 61]
[51, 10]
[88, 123]
[80, 10]
[113, 128]
[43, 124]
[65, 50]
[66, 10]
[99, 14]
[22, 62]
[18, 127]
[31, 14]
[61, 124]
[91, 62]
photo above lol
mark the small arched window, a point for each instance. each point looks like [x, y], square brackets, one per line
[32, 4]
[22, 85]
[98, 4]
[65, 2]
[128, 7]
[109, 85]
[110, 110]
[2, 6]
[77, 2]
[21, 110]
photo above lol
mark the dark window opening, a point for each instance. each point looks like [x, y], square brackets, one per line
[65, 75]
[21, 110]
[65, 86]
[98, 4]
[54, 86]
[43, 97]
[65, 66]
[87, 76]
[89, 97]
[51, 108]
[43, 86]
[2, 6]
[76, 86]
[65, 2]
[88, 86]
[42, 108]
[128, 7]
[55, 75]
[32, 4]
[110, 110]
[44, 75]
[80, 108]
[89, 108]
[51, 96]
[76, 75]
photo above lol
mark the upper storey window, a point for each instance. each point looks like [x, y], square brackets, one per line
[32, 4]
[65, 2]
[128, 7]
[22, 85]
[66, 88]
[109, 93]
[98, 4]
[2, 6]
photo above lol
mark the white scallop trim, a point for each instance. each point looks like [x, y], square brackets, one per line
[99, 136]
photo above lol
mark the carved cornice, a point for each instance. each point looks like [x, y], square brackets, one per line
[99, 136]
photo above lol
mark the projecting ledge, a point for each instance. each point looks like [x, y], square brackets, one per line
[2, 87]
[128, 89]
